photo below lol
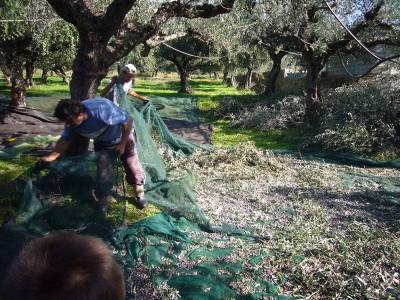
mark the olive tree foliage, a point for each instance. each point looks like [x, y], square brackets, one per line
[230, 42]
[110, 30]
[57, 49]
[308, 30]
[23, 28]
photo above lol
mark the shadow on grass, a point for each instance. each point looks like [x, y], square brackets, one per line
[358, 206]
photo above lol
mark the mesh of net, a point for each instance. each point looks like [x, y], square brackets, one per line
[59, 198]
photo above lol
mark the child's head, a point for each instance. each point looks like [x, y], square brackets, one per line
[64, 266]
[128, 72]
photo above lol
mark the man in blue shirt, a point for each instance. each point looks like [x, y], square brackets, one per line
[111, 128]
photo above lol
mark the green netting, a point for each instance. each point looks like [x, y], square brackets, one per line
[172, 245]
[59, 198]
[178, 108]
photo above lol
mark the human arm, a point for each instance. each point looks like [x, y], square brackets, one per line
[132, 93]
[105, 91]
[60, 148]
[126, 131]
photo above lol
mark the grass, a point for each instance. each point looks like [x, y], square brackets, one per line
[327, 236]
[208, 91]
[10, 171]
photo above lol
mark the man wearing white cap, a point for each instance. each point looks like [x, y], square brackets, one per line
[125, 81]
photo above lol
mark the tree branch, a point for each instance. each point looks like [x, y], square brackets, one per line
[158, 40]
[369, 16]
[162, 38]
[115, 15]
[128, 38]
[77, 13]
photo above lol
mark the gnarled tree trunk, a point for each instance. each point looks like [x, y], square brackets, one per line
[184, 76]
[89, 68]
[29, 71]
[270, 84]
[249, 78]
[225, 76]
[45, 75]
[61, 72]
[314, 65]
[18, 87]
[6, 74]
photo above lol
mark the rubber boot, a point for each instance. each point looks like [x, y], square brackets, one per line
[141, 202]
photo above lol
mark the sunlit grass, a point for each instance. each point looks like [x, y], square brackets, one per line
[209, 91]
[10, 170]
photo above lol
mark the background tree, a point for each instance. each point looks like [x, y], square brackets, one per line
[27, 33]
[185, 64]
[110, 31]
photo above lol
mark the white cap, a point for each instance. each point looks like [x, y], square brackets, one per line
[129, 69]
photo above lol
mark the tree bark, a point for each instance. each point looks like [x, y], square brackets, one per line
[270, 84]
[61, 72]
[184, 76]
[313, 112]
[7, 75]
[89, 68]
[225, 76]
[234, 81]
[18, 87]
[249, 76]
[29, 71]
[45, 75]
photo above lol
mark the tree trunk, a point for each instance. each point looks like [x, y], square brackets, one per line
[89, 68]
[270, 84]
[45, 75]
[61, 72]
[6, 74]
[18, 87]
[225, 76]
[249, 76]
[184, 76]
[313, 102]
[29, 71]
[234, 81]
[155, 73]
[215, 75]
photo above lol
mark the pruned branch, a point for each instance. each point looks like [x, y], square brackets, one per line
[163, 38]
[160, 39]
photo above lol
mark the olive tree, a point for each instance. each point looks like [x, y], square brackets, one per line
[110, 30]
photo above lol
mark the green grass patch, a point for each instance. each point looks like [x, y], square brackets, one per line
[132, 214]
[209, 92]
[225, 135]
[10, 170]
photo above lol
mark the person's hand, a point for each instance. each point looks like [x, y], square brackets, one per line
[49, 158]
[146, 99]
[120, 149]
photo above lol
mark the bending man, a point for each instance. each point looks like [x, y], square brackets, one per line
[111, 128]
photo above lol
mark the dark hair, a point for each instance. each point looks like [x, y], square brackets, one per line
[64, 266]
[67, 109]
